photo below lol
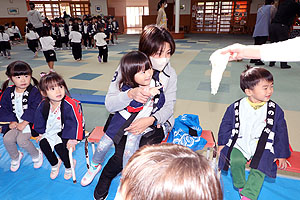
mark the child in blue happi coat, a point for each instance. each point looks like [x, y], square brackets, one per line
[253, 128]
[17, 107]
[136, 71]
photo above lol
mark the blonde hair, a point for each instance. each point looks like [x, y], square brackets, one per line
[169, 172]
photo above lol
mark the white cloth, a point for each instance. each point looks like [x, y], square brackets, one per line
[47, 43]
[19, 110]
[100, 39]
[53, 127]
[75, 36]
[218, 63]
[32, 35]
[10, 32]
[62, 31]
[4, 37]
[287, 50]
[252, 122]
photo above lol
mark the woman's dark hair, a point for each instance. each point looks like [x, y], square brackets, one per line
[269, 2]
[18, 68]
[130, 64]
[75, 27]
[252, 75]
[31, 5]
[161, 2]
[50, 80]
[153, 38]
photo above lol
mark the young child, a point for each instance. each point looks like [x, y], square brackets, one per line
[63, 34]
[4, 42]
[57, 123]
[16, 32]
[136, 71]
[160, 171]
[253, 128]
[32, 38]
[87, 40]
[100, 41]
[75, 38]
[47, 44]
[17, 106]
[115, 29]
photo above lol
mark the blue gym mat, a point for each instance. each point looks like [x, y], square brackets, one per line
[35, 184]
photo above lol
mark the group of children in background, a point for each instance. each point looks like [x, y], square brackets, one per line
[9, 35]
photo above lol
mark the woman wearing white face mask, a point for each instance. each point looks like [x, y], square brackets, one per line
[158, 44]
[161, 19]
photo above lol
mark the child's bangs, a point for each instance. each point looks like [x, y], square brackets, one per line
[53, 82]
[143, 65]
[21, 69]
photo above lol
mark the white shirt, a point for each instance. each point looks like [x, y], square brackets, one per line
[100, 39]
[47, 43]
[53, 127]
[15, 29]
[4, 37]
[252, 122]
[75, 36]
[85, 27]
[19, 110]
[10, 32]
[62, 31]
[32, 35]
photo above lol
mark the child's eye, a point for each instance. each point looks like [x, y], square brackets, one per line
[52, 88]
[61, 86]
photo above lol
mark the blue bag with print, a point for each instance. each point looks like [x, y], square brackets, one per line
[187, 132]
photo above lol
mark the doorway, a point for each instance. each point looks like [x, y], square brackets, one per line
[134, 19]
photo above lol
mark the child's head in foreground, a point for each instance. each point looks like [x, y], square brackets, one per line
[257, 84]
[169, 172]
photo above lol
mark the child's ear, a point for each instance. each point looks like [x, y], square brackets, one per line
[44, 94]
[248, 92]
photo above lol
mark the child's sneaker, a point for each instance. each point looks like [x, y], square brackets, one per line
[90, 175]
[55, 170]
[245, 198]
[15, 164]
[68, 171]
[37, 162]
[99, 59]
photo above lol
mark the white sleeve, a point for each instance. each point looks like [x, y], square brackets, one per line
[281, 51]
[116, 100]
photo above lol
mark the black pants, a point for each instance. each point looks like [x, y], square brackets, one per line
[39, 31]
[87, 39]
[115, 164]
[258, 41]
[279, 32]
[76, 50]
[61, 150]
[103, 52]
[33, 44]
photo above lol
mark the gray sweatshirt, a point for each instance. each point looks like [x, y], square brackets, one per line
[35, 18]
[116, 100]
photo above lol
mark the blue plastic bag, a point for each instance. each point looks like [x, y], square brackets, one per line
[180, 133]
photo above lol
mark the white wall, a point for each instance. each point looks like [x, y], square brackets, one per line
[102, 4]
[20, 4]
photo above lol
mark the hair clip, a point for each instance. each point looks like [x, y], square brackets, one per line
[42, 74]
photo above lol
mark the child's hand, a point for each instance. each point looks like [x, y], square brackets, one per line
[13, 125]
[282, 163]
[155, 90]
[22, 125]
[38, 138]
[71, 143]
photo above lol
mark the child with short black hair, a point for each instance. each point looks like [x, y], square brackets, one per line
[5, 46]
[75, 39]
[253, 128]
[100, 41]
[47, 44]
[32, 38]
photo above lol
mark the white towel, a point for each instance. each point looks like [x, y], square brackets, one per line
[218, 63]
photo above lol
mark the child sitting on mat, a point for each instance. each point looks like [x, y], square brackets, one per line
[253, 128]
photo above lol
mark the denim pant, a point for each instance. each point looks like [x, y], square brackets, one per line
[103, 147]
[132, 145]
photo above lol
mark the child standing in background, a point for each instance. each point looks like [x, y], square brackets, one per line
[253, 128]
[100, 41]
[57, 123]
[75, 38]
[17, 106]
[47, 44]
[32, 38]
[136, 71]
[4, 43]
[16, 32]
